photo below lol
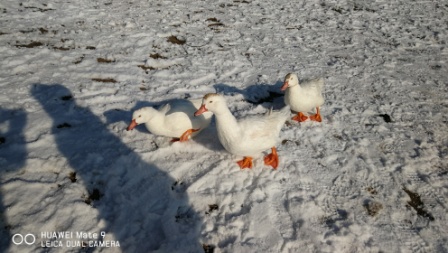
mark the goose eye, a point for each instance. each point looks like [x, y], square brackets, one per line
[139, 116]
[211, 101]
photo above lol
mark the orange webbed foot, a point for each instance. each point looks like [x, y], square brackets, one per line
[272, 159]
[316, 117]
[245, 163]
[300, 117]
[186, 136]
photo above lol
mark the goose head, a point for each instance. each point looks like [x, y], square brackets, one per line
[291, 79]
[140, 116]
[212, 102]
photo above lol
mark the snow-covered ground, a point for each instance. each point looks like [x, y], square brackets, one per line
[372, 177]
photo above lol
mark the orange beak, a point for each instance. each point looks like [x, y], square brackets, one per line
[201, 110]
[285, 86]
[132, 125]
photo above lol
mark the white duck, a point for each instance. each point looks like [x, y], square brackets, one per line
[303, 98]
[248, 136]
[174, 119]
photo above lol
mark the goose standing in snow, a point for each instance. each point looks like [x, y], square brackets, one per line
[303, 98]
[174, 119]
[249, 136]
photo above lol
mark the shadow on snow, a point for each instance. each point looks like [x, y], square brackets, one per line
[267, 95]
[134, 197]
[13, 154]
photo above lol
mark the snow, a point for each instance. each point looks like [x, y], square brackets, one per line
[372, 177]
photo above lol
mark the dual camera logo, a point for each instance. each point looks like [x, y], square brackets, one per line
[19, 239]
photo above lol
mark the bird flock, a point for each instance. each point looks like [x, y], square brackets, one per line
[248, 136]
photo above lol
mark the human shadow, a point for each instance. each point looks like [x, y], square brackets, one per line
[13, 155]
[266, 95]
[133, 196]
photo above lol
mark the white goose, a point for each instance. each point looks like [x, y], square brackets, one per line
[172, 120]
[249, 136]
[303, 98]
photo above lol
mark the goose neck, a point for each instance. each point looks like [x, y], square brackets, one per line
[226, 121]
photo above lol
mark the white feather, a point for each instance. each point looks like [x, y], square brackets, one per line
[173, 119]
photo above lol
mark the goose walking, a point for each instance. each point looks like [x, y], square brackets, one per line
[303, 98]
[249, 136]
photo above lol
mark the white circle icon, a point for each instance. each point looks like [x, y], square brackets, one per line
[19, 239]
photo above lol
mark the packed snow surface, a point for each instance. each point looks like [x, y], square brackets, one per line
[372, 177]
